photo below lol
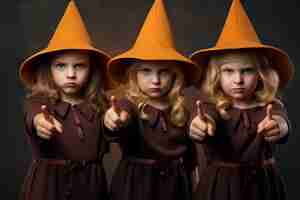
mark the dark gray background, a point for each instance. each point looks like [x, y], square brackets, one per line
[26, 25]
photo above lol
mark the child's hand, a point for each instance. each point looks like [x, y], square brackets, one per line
[115, 118]
[45, 124]
[268, 127]
[202, 125]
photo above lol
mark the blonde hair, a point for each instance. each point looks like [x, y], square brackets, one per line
[268, 80]
[178, 114]
[45, 87]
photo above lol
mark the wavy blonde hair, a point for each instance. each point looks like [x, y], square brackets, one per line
[178, 114]
[45, 87]
[268, 80]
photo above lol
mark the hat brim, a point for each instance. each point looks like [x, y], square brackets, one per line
[118, 66]
[277, 58]
[28, 67]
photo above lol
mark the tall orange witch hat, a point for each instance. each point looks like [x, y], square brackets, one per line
[238, 34]
[70, 34]
[154, 43]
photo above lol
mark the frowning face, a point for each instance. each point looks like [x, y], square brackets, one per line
[239, 78]
[70, 71]
[154, 79]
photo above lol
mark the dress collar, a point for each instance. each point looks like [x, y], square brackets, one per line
[250, 106]
[153, 114]
[62, 108]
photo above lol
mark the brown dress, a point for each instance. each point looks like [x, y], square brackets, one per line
[69, 165]
[240, 163]
[153, 164]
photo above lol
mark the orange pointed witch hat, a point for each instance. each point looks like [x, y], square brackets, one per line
[238, 34]
[154, 43]
[70, 34]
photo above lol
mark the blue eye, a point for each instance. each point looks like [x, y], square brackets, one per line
[249, 70]
[165, 72]
[60, 66]
[145, 70]
[227, 70]
[79, 66]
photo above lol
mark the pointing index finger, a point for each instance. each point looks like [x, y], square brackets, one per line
[199, 109]
[269, 111]
[47, 114]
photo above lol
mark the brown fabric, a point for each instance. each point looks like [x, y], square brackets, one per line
[148, 141]
[153, 162]
[236, 143]
[65, 166]
[201, 159]
[270, 161]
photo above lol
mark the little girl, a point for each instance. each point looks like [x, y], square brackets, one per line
[149, 121]
[245, 120]
[63, 115]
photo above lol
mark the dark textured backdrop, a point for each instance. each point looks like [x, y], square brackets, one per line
[26, 26]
